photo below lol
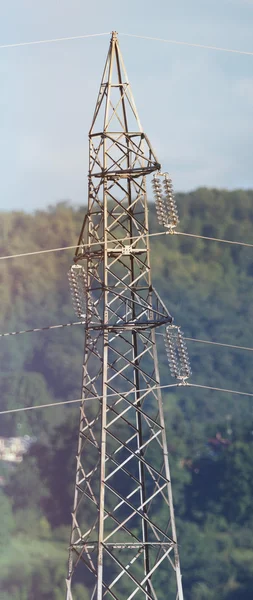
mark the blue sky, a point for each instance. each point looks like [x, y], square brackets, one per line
[195, 105]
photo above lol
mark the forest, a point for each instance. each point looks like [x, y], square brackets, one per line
[207, 287]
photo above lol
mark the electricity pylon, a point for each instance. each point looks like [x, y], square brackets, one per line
[123, 538]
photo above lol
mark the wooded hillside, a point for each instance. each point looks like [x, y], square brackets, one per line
[207, 287]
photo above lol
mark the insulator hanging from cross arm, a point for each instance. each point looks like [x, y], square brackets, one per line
[159, 201]
[78, 286]
[165, 202]
[170, 201]
[177, 353]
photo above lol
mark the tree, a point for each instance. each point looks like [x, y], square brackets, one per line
[7, 522]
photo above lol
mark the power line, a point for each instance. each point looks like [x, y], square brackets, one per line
[36, 252]
[218, 344]
[217, 389]
[26, 408]
[148, 235]
[158, 387]
[142, 37]
[98, 243]
[155, 39]
[63, 39]
[72, 324]
[212, 239]
[232, 346]
[59, 326]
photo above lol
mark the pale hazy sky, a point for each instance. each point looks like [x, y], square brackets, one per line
[195, 105]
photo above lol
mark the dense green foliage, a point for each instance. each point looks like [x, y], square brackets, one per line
[207, 287]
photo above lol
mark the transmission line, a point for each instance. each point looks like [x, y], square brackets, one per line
[46, 328]
[232, 346]
[73, 324]
[159, 387]
[217, 389]
[142, 37]
[220, 49]
[212, 239]
[26, 408]
[147, 235]
[63, 39]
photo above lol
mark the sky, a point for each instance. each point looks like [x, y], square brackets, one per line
[195, 104]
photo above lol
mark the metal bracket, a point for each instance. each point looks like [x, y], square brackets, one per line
[127, 249]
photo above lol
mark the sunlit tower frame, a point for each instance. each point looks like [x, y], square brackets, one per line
[123, 526]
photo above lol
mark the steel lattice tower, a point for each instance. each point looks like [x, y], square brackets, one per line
[123, 538]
